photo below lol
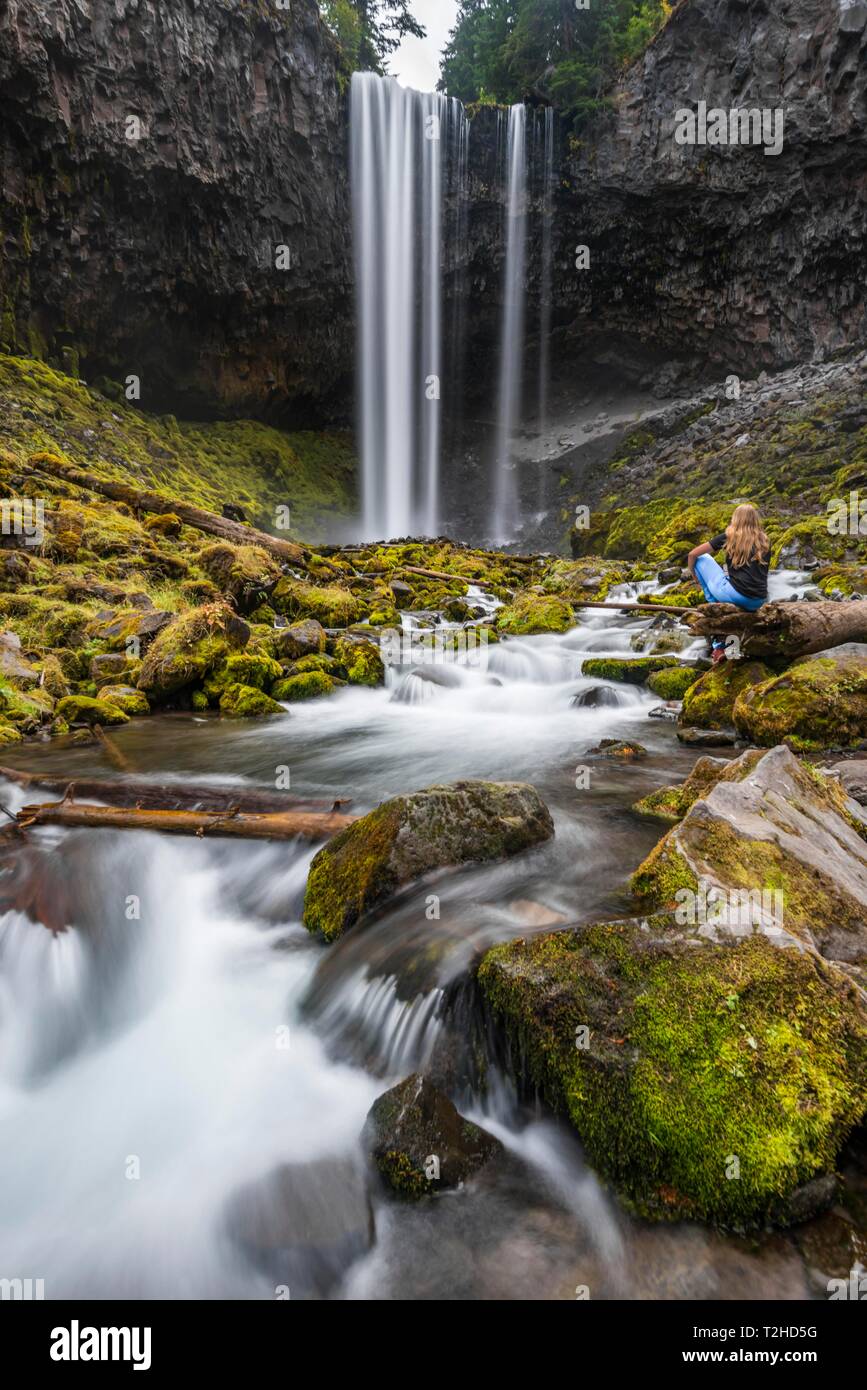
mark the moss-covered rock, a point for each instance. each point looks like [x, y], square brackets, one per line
[191, 647]
[243, 571]
[619, 749]
[126, 698]
[307, 685]
[529, 613]
[13, 664]
[247, 702]
[418, 1142]
[329, 664]
[672, 803]
[164, 523]
[361, 660]
[818, 702]
[709, 702]
[248, 667]
[662, 531]
[705, 1081]
[79, 709]
[779, 848]
[128, 629]
[633, 671]
[300, 639]
[52, 678]
[8, 733]
[330, 605]
[364, 865]
[672, 682]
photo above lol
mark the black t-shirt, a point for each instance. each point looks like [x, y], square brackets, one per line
[751, 579]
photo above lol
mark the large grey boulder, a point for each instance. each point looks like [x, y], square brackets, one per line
[363, 866]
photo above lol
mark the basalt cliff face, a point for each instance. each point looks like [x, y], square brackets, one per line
[718, 255]
[155, 156]
[739, 257]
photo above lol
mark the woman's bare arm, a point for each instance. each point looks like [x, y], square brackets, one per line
[693, 555]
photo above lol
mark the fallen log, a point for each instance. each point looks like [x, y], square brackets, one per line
[629, 605]
[242, 825]
[140, 794]
[783, 629]
[197, 517]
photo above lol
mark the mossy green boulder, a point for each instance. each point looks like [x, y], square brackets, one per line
[247, 702]
[413, 1123]
[190, 648]
[361, 659]
[820, 701]
[306, 685]
[302, 639]
[80, 709]
[530, 613]
[634, 671]
[330, 605]
[705, 1081]
[364, 865]
[244, 668]
[244, 571]
[672, 682]
[126, 698]
[709, 703]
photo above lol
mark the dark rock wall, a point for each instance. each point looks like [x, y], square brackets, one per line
[726, 254]
[156, 256]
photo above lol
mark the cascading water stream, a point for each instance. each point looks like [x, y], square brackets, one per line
[512, 333]
[545, 266]
[401, 141]
[185, 1091]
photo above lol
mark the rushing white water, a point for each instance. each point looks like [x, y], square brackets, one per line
[184, 1090]
[505, 517]
[545, 266]
[400, 140]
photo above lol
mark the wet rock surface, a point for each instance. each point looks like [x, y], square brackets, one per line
[418, 1142]
[409, 836]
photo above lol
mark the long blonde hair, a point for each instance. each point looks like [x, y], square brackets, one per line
[745, 536]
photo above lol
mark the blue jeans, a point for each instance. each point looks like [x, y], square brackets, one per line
[718, 588]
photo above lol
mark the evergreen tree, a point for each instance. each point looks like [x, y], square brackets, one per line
[551, 50]
[369, 30]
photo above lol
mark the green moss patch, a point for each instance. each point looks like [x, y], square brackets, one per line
[705, 1082]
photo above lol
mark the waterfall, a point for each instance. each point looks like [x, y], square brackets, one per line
[512, 339]
[399, 142]
[547, 213]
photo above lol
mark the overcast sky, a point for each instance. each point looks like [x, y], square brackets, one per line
[417, 62]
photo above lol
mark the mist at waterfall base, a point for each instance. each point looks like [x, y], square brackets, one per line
[184, 1090]
[411, 210]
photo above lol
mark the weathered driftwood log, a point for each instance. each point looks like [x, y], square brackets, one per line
[197, 517]
[628, 605]
[783, 630]
[141, 794]
[243, 825]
